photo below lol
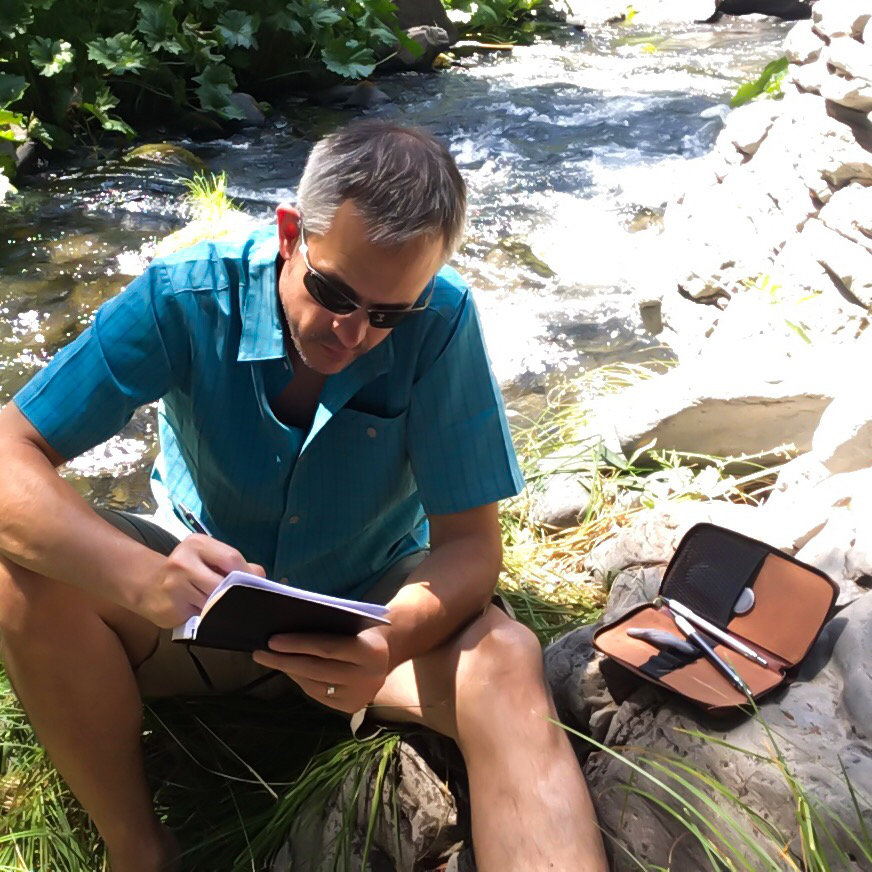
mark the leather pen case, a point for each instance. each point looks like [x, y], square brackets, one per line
[766, 599]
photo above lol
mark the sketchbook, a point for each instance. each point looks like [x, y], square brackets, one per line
[244, 611]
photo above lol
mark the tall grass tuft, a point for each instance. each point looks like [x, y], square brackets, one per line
[726, 832]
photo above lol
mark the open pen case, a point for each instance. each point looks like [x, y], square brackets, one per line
[710, 573]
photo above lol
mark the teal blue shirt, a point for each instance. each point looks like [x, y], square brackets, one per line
[415, 426]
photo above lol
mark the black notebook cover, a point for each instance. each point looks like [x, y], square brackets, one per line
[244, 618]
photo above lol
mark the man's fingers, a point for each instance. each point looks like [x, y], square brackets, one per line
[217, 555]
[310, 668]
[329, 647]
[255, 569]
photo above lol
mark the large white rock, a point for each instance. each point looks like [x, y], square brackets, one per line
[851, 93]
[802, 44]
[653, 535]
[849, 57]
[843, 550]
[841, 17]
[724, 409]
[747, 126]
[849, 212]
[809, 77]
[848, 264]
[843, 439]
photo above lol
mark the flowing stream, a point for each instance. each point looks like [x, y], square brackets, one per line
[570, 148]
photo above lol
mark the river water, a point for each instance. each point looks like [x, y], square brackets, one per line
[570, 147]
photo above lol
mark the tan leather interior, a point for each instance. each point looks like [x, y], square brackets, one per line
[698, 680]
[791, 603]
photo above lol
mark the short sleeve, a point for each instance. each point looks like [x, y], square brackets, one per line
[459, 443]
[131, 355]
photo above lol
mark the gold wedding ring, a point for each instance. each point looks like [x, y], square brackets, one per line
[331, 689]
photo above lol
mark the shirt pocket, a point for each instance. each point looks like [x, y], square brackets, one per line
[361, 462]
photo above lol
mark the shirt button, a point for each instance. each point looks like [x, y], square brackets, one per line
[294, 519]
[371, 432]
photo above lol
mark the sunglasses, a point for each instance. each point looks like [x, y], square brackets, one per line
[340, 299]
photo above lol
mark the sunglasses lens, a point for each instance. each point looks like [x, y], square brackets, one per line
[386, 320]
[327, 296]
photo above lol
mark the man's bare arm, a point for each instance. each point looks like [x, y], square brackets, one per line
[46, 527]
[454, 582]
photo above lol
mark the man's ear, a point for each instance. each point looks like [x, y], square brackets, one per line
[288, 221]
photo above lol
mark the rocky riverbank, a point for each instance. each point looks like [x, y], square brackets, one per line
[767, 310]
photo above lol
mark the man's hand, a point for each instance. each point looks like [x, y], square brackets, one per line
[355, 666]
[186, 577]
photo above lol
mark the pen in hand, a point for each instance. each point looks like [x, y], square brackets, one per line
[193, 521]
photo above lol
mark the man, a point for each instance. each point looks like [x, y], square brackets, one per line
[326, 398]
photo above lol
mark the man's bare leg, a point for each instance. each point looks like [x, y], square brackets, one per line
[68, 656]
[531, 809]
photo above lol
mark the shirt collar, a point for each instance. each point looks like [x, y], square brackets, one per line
[261, 337]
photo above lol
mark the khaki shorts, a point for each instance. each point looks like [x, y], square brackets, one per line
[178, 669]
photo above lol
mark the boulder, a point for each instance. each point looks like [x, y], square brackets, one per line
[746, 127]
[851, 93]
[426, 13]
[252, 114]
[843, 549]
[820, 723]
[418, 825]
[166, 155]
[848, 265]
[843, 439]
[743, 413]
[834, 18]
[802, 45]
[849, 213]
[789, 10]
[561, 502]
[431, 40]
[848, 57]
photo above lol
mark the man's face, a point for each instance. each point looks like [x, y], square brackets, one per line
[378, 276]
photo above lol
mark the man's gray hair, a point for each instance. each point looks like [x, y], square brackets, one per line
[403, 182]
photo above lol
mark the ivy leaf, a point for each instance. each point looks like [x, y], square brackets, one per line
[216, 75]
[50, 56]
[216, 87]
[348, 58]
[103, 102]
[287, 19]
[238, 28]
[322, 16]
[12, 88]
[119, 54]
[158, 25]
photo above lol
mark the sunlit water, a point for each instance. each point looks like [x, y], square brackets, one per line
[567, 146]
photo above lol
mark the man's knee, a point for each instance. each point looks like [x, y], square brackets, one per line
[500, 658]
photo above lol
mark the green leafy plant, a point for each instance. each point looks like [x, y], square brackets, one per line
[768, 83]
[516, 21]
[78, 67]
